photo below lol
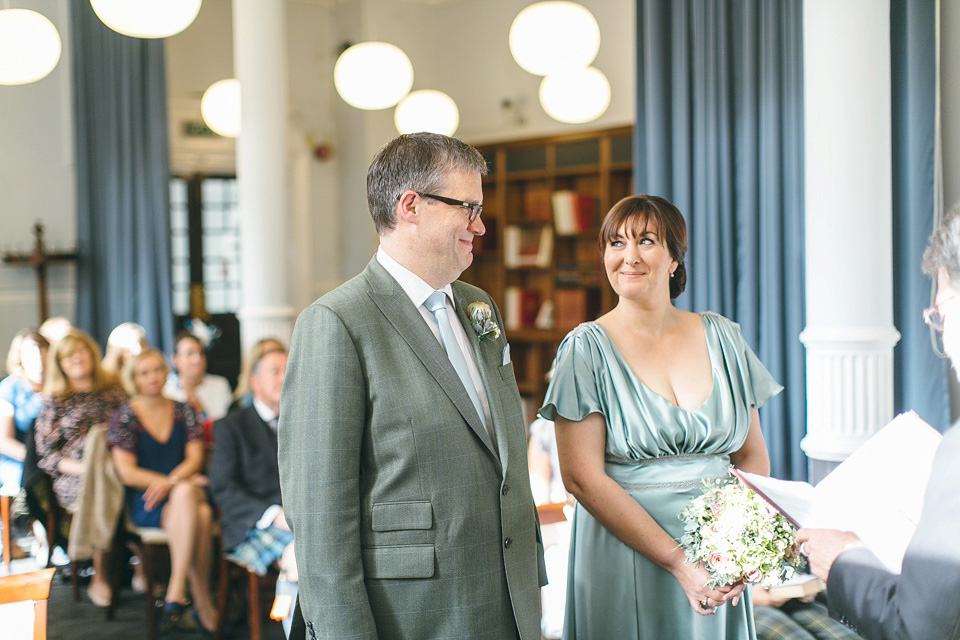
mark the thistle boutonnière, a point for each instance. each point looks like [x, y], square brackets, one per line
[481, 317]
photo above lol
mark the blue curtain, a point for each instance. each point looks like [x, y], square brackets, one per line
[123, 172]
[920, 378]
[720, 134]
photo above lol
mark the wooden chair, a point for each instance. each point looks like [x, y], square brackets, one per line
[153, 549]
[5, 499]
[227, 568]
[24, 587]
[57, 517]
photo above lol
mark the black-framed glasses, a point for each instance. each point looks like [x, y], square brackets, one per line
[473, 209]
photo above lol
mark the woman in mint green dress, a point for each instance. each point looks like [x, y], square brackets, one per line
[649, 400]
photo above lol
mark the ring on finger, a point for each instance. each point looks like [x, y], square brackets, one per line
[703, 604]
[803, 548]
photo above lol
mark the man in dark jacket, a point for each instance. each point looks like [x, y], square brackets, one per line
[245, 476]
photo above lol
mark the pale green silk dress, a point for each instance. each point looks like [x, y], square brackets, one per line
[660, 454]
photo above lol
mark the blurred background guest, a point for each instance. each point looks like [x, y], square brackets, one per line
[126, 340]
[245, 475]
[54, 329]
[78, 394]
[242, 396]
[157, 448]
[208, 394]
[20, 401]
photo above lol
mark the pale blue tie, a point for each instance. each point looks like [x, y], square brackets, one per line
[437, 305]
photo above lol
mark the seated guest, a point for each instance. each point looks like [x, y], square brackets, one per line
[245, 474]
[54, 329]
[779, 618]
[158, 451]
[20, 401]
[126, 340]
[78, 394]
[242, 396]
[209, 395]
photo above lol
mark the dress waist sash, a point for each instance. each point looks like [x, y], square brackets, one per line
[666, 473]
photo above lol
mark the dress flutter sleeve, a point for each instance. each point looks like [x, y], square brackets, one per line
[744, 368]
[574, 392]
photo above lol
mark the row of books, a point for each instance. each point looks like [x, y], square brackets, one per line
[527, 247]
[525, 308]
[572, 212]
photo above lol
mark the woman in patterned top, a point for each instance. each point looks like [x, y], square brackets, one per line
[78, 394]
[158, 451]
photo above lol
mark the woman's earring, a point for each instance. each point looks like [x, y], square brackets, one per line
[671, 274]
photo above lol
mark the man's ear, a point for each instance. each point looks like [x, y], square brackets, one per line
[406, 208]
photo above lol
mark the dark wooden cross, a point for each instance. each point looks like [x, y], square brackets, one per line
[39, 258]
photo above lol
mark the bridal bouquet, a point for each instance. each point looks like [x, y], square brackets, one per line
[737, 536]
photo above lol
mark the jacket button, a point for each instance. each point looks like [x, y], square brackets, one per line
[505, 489]
[507, 542]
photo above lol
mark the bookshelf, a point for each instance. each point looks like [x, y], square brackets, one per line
[544, 199]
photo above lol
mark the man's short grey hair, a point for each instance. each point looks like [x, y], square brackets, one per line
[943, 252]
[418, 162]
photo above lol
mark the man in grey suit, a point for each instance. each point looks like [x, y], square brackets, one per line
[924, 600]
[402, 443]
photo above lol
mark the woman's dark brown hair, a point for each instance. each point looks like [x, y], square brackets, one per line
[638, 213]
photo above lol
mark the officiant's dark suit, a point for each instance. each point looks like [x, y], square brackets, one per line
[923, 601]
[411, 512]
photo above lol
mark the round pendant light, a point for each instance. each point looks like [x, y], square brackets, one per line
[147, 18]
[29, 46]
[577, 96]
[220, 107]
[549, 37]
[373, 75]
[427, 110]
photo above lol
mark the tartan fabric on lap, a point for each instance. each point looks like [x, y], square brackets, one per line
[261, 549]
[797, 620]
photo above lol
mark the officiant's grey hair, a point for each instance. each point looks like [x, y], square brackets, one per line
[419, 162]
[943, 252]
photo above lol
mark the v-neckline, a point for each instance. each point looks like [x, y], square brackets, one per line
[639, 383]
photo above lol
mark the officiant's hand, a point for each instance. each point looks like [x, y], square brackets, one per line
[822, 546]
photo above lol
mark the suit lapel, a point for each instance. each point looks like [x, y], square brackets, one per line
[488, 360]
[396, 307]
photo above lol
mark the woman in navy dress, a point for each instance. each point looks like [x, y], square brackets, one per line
[158, 452]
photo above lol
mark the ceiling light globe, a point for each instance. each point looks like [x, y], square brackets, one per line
[373, 75]
[577, 96]
[427, 110]
[29, 46]
[550, 37]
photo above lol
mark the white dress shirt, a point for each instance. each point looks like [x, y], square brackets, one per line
[418, 291]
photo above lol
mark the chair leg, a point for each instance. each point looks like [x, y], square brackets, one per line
[52, 520]
[223, 592]
[256, 621]
[114, 570]
[75, 580]
[148, 573]
[5, 523]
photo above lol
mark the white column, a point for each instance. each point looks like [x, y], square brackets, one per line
[262, 169]
[849, 288]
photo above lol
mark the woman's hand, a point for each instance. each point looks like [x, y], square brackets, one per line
[156, 492]
[199, 480]
[703, 599]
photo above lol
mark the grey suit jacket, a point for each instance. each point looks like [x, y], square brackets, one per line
[923, 602]
[407, 523]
